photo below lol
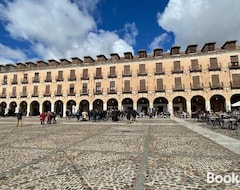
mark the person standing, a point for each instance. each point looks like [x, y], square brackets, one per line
[19, 118]
[42, 118]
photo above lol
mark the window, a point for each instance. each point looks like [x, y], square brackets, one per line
[234, 60]
[71, 89]
[213, 64]
[59, 90]
[126, 70]
[177, 66]
[194, 65]
[196, 82]
[112, 86]
[85, 74]
[35, 91]
[98, 73]
[127, 86]
[98, 87]
[159, 68]
[142, 85]
[235, 80]
[14, 92]
[72, 75]
[142, 69]
[159, 85]
[14, 81]
[60, 76]
[24, 91]
[25, 78]
[47, 90]
[84, 88]
[112, 71]
[48, 77]
[4, 79]
[178, 83]
[36, 77]
[215, 81]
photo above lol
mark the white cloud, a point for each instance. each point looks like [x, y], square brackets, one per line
[130, 33]
[201, 21]
[60, 29]
[159, 41]
[8, 55]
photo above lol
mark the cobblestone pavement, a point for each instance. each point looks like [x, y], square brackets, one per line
[150, 154]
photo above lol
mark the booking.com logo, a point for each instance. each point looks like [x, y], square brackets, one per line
[229, 178]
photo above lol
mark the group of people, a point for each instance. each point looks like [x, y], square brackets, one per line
[50, 117]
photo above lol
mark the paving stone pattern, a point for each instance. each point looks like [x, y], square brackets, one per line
[150, 154]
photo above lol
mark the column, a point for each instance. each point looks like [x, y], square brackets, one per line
[135, 105]
[40, 107]
[90, 106]
[189, 110]
[228, 105]
[120, 106]
[52, 107]
[64, 109]
[28, 109]
[170, 108]
[104, 106]
[208, 106]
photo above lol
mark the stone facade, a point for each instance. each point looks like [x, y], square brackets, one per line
[195, 79]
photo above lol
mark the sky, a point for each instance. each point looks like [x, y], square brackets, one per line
[32, 30]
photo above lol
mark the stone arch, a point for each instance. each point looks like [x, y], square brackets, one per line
[160, 104]
[47, 106]
[34, 108]
[218, 103]
[98, 104]
[198, 103]
[84, 105]
[3, 108]
[143, 105]
[127, 104]
[179, 104]
[71, 106]
[58, 107]
[23, 107]
[112, 103]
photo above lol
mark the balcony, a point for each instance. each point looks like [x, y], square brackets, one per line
[180, 88]
[48, 80]
[85, 77]
[15, 81]
[215, 68]
[143, 73]
[59, 79]
[195, 69]
[35, 94]
[23, 94]
[35, 80]
[84, 92]
[112, 75]
[160, 72]
[13, 95]
[234, 65]
[235, 85]
[71, 93]
[47, 94]
[4, 82]
[58, 93]
[216, 86]
[143, 90]
[196, 86]
[24, 81]
[98, 77]
[3, 95]
[127, 90]
[177, 71]
[72, 78]
[112, 90]
[98, 91]
[127, 74]
[160, 89]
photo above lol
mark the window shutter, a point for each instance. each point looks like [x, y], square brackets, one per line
[142, 68]
[178, 83]
[159, 84]
[177, 66]
[126, 69]
[194, 64]
[127, 85]
[213, 63]
[236, 79]
[159, 68]
[215, 80]
[142, 85]
[196, 81]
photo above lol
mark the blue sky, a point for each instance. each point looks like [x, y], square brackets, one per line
[32, 30]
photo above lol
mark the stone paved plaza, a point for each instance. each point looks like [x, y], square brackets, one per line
[150, 154]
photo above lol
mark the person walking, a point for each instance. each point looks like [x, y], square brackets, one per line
[19, 118]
